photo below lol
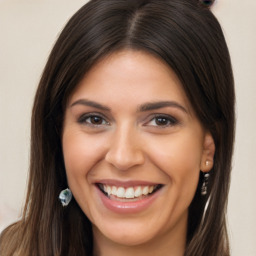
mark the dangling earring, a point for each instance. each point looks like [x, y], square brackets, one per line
[65, 197]
[205, 184]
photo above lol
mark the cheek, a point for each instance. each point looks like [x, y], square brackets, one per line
[179, 157]
[79, 153]
[80, 160]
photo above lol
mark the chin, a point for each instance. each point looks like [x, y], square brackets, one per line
[128, 236]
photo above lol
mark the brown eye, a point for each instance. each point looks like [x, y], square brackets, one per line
[97, 120]
[92, 120]
[162, 121]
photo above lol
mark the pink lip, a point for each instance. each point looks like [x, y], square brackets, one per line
[132, 207]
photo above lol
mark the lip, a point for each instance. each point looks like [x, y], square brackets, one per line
[126, 207]
[126, 184]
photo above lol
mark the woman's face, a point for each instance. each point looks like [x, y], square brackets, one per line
[133, 149]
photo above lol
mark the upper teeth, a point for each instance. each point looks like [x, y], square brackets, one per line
[130, 192]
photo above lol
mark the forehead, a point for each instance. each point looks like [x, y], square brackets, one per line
[128, 75]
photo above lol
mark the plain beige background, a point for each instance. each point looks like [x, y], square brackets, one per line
[28, 29]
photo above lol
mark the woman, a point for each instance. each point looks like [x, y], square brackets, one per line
[134, 114]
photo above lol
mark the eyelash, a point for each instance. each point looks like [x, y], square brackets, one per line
[84, 120]
[168, 121]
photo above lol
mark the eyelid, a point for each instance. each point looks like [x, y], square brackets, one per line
[173, 121]
[85, 116]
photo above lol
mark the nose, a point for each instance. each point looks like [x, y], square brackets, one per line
[125, 150]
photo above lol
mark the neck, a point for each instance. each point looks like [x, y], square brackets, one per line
[171, 243]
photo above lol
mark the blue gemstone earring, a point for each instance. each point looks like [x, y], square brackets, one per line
[65, 197]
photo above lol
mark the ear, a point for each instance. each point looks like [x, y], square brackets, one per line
[208, 153]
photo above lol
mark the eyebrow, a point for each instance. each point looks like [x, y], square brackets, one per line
[161, 104]
[142, 108]
[90, 104]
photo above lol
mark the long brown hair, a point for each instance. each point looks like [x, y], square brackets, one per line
[186, 36]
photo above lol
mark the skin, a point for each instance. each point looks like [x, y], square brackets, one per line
[126, 142]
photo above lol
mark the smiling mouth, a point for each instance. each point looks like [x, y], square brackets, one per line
[133, 193]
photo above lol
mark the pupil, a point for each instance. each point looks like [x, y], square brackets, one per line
[161, 121]
[96, 120]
